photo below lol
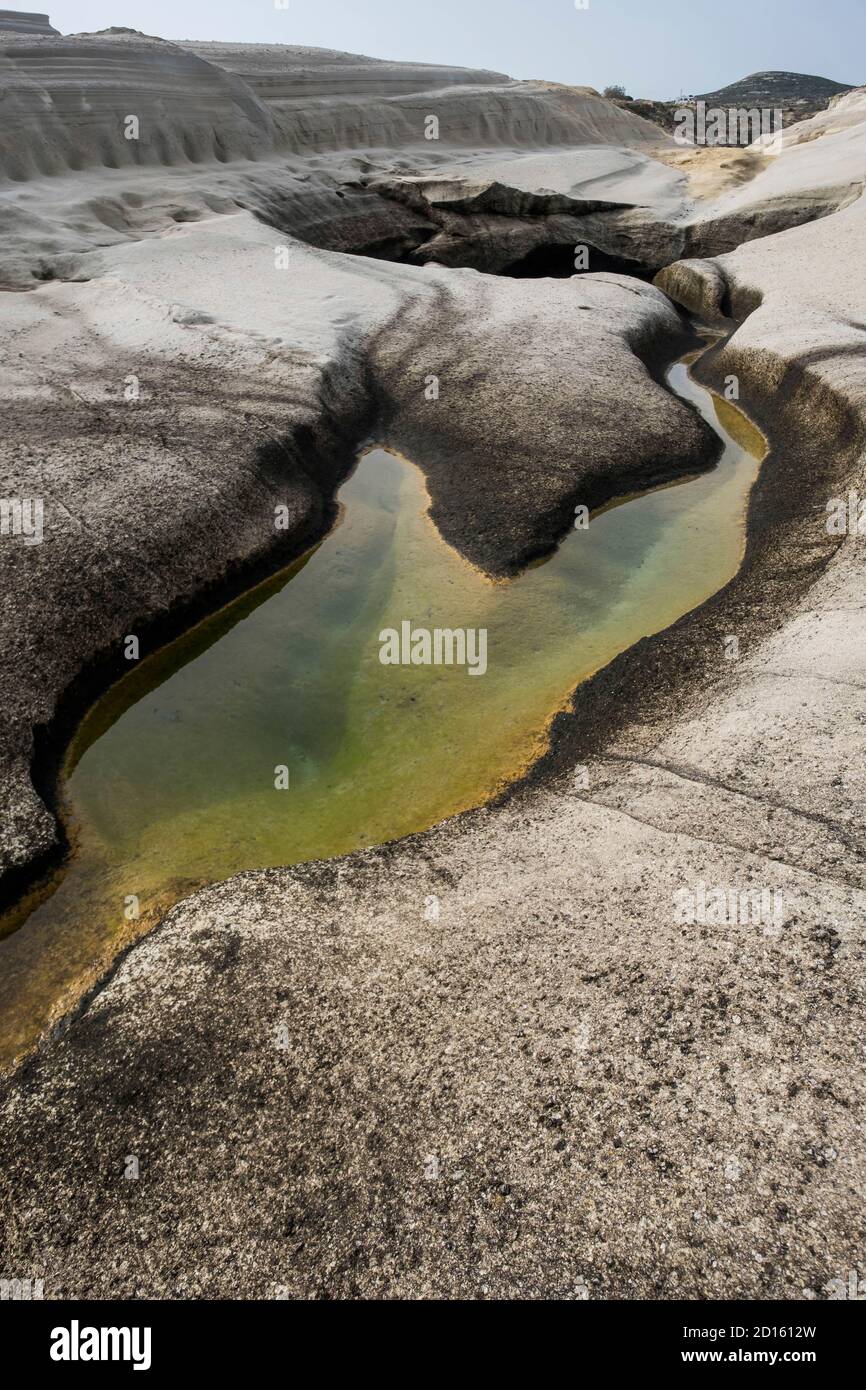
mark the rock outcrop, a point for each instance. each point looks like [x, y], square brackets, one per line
[20, 22]
[558, 1089]
[562, 1087]
[120, 98]
[284, 369]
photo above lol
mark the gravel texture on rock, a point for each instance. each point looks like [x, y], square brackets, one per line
[560, 1086]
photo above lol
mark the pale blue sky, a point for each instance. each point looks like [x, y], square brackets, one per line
[654, 47]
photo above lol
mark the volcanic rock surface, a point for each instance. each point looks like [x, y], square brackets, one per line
[559, 1088]
[232, 331]
[20, 22]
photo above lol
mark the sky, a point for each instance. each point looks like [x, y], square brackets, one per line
[654, 48]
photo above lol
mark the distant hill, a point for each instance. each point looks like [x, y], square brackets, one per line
[796, 94]
[788, 90]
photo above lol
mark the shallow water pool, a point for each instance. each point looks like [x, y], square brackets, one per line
[170, 781]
